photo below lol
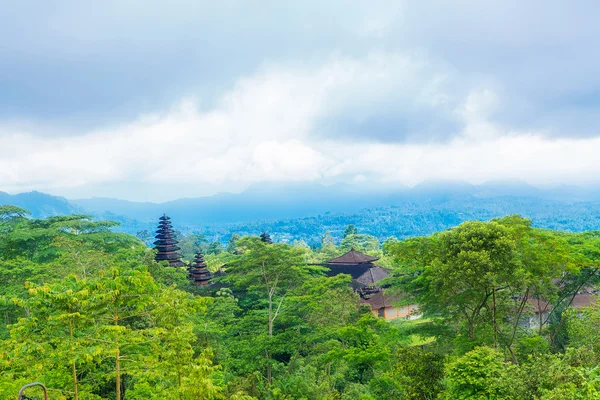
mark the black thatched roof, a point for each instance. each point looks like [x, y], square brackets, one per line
[381, 300]
[353, 257]
[373, 275]
[166, 244]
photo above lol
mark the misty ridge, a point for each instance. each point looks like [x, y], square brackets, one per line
[307, 211]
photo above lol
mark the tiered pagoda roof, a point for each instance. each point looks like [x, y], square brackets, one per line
[353, 257]
[198, 271]
[353, 263]
[365, 274]
[367, 282]
[266, 238]
[166, 245]
[379, 300]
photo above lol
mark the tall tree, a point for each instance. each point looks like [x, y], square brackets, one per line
[232, 243]
[467, 269]
[126, 296]
[360, 242]
[270, 271]
[60, 321]
[546, 258]
[350, 230]
[328, 248]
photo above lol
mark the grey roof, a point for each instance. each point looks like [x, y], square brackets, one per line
[584, 300]
[381, 300]
[373, 275]
[353, 257]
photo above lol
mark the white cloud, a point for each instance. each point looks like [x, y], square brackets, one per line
[266, 129]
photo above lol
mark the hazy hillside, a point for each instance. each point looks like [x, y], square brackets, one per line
[41, 205]
[426, 217]
[306, 212]
[285, 201]
[265, 201]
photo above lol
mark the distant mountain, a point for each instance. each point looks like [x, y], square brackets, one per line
[257, 202]
[307, 211]
[284, 201]
[424, 217]
[40, 205]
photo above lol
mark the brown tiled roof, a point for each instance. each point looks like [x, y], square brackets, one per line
[381, 300]
[373, 275]
[353, 257]
[579, 301]
[584, 299]
[543, 305]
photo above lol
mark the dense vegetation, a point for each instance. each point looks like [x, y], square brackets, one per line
[88, 312]
[410, 219]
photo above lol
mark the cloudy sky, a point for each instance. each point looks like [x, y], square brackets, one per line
[153, 100]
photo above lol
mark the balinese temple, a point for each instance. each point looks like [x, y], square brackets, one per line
[365, 277]
[265, 238]
[166, 245]
[199, 273]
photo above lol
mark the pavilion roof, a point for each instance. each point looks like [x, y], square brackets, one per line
[373, 275]
[381, 300]
[353, 257]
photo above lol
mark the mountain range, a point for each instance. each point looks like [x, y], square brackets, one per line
[306, 211]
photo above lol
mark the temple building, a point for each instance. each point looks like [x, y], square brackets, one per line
[198, 271]
[166, 245]
[366, 277]
[266, 238]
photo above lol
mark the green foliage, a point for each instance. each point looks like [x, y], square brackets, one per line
[88, 312]
[232, 243]
[360, 242]
[584, 330]
[350, 230]
[89, 319]
[191, 244]
[12, 212]
[477, 278]
[481, 374]
[418, 372]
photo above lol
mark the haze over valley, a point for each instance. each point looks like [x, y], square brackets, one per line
[307, 211]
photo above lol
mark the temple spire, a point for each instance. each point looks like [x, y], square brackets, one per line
[265, 238]
[165, 243]
[199, 273]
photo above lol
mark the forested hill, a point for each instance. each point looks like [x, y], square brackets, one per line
[299, 200]
[426, 217]
[306, 212]
[40, 205]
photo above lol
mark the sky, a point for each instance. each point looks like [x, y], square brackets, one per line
[152, 100]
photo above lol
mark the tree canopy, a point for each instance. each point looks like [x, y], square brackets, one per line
[90, 313]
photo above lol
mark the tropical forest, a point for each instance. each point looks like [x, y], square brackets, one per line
[500, 310]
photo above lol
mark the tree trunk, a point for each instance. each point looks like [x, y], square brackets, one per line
[269, 371]
[471, 330]
[74, 368]
[494, 318]
[541, 315]
[270, 316]
[75, 393]
[117, 357]
[517, 319]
